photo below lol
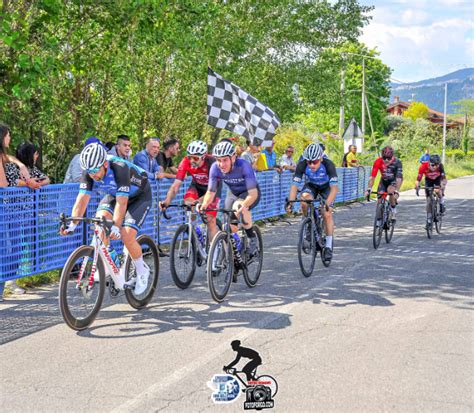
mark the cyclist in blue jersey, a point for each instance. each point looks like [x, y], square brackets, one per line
[239, 176]
[127, 202]
[320, 177]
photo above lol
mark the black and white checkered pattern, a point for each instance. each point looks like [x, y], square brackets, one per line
[232, 108]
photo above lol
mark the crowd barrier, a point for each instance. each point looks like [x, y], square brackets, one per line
[29, 219]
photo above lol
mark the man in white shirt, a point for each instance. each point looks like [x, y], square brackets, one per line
[286, 161]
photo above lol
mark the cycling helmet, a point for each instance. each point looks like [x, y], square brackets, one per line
[435, 159]
[224, 148]
[93, 156]
[313, 152]
[387, 152]
[197, 148]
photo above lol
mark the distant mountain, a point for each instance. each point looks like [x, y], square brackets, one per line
[431, 91]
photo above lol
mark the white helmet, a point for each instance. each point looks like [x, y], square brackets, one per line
[312, 152]
[93, 156]
[224, 148]
[197, 148]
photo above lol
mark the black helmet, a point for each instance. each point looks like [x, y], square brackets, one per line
[435, 159]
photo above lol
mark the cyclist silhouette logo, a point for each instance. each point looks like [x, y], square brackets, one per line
[260, 389]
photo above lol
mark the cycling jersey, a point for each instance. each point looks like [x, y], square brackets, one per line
[325, 176]
[390, 172]
[122, 178]
[200, 175]
[240, 179]
[430, 173]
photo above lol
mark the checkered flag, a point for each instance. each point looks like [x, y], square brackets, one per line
[232, 108]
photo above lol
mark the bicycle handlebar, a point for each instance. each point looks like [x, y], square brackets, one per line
[107, 224]
[428, 188]
[227, 212]
[184, 206]
[309, 201]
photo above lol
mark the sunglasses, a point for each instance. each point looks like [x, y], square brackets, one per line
[194, 158]
[315, 162]
[93, 171]
[386, 158]
[433, 164]
[289, 151]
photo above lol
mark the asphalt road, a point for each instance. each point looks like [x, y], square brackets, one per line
[385, 330]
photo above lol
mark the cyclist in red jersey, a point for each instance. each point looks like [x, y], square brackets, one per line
[391, 171]
[197, 164]
[433, 170]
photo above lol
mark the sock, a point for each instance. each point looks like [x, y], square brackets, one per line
[139, 265]
[329, 241]
[250, 232]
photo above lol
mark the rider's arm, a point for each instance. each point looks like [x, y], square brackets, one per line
[332, 175]
[399, 174]
[234, 362]
[250, 198]
[120, 210]
[297, 179]
[172, 192]
[208, 198]
[421, 171]
[214, 179]
[80, 206]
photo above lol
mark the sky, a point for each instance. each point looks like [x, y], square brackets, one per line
[422, 39]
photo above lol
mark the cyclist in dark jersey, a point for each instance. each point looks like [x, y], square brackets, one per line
[127, 202]
[243, 194]
[198, 164]
[433, 170]
[320, 177]
[255, 359]
[391, 172]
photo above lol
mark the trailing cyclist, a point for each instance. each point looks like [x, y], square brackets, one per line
[127, 202]
[391, 171]
[243, 194]
[198, 164]
[433, 170]
[320, 177]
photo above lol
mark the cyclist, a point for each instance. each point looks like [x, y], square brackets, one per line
[127, 202]
[255, 359]
[433, 170]
[198, 164]
[243, 194]
[391, 171]
[320, 177]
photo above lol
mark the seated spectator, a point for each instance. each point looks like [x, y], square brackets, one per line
[74, 170]
[286, 161]
[271, 157]
[164, 158]
[122, 148]
[29, 154]
[351, 158]
[146, 159]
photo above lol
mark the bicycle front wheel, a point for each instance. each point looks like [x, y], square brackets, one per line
[183, 257]
[306, 247]
[429, 222]
[253, 264]
[79, 297]
[220, 266]
[151, 258]
[378, 226]
[389, 229]
[438, 219]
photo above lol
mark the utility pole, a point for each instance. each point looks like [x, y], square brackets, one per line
[341, 108]
[363, 97]
[444, 120]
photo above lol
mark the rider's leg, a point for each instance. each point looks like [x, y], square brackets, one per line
[329, 226]
[304, 206]
[393, 197]
[250, 367]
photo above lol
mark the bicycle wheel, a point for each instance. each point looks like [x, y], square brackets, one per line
[429, 222]
[270, 382]
[438, 218]
[220, 266]
[321, 242]
[391, 227]
[378, 226]
[151, 258]
[183, 257]
[253, 264]
[306, 248]
[79, 301]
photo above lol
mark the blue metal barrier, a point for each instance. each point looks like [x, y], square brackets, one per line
[29, 223]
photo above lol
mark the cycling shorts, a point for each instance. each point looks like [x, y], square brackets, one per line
[196, 191]
[384, 184]
[314, 190]
[430, 183]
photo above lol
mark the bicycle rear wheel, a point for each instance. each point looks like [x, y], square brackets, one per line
[378, 226]
[151, 258]
[220, 266]
[183, 257]
[253, 264]
[306, 248]
[391, 227]
[79, 301]
[268, 381]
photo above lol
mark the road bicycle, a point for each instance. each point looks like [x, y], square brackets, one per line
[228, 253]
[90, 269]
[263, 380]
[433, 210]
[312, 235]
[383, 221]
[187, 252]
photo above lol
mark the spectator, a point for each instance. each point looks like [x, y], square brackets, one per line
[164, 158]
[28, 154]
[145, 159]
[286, 160]
[271, 157]
[351, 157]
[74, 170]
[253, 156]
[426, 156]
[122, 148]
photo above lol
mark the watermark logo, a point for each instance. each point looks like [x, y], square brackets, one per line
[225, 388]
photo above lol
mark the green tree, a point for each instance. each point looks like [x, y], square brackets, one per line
[417, 110]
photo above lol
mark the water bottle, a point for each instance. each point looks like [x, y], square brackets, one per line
[235, 240]
[238, 244]
[115, 257]
[200, 235]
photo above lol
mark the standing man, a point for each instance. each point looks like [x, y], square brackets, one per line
[351, 157]
[271, 157]
[286, 161]
[123, 148]
[146, 159]
[164, 158]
